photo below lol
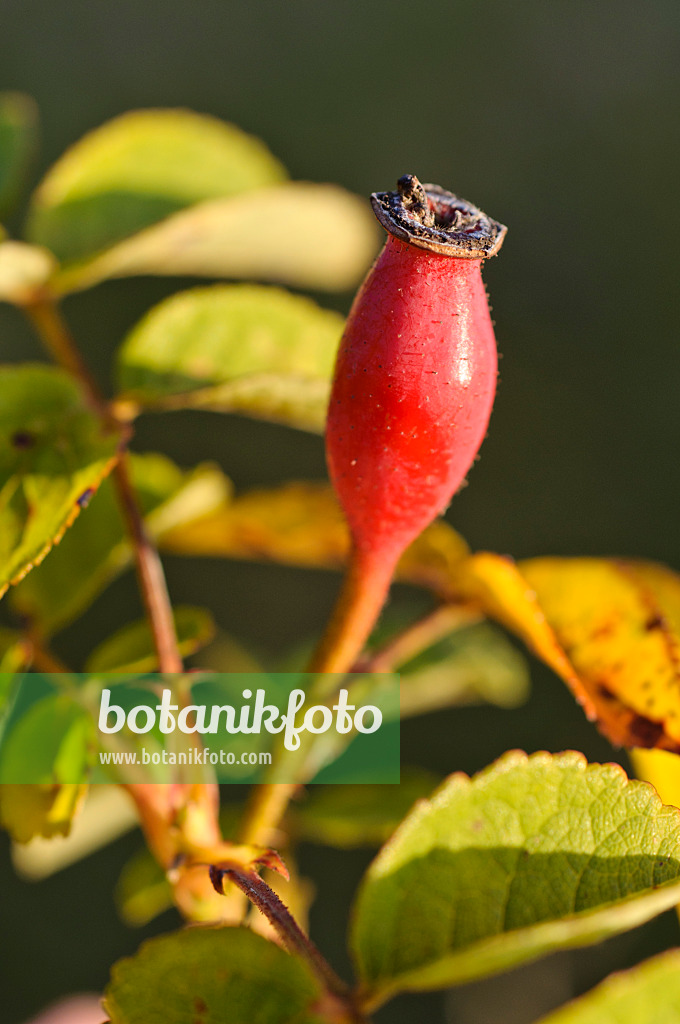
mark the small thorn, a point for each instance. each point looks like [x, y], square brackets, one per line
[217, 879]
[271, 859]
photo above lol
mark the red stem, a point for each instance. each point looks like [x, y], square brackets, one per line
[364, 592]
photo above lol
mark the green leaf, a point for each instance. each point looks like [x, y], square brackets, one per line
[219, 976]
[310, 236]
[96, 550]
[54, 453]
[53, 741]
[131, 649]
[49, 743]
[647, 994]
[24, 269]
[348, 817]
[18, 131]
[469, 666]
[534, 854]
[138, 169]
[143, 890]
[235, 348]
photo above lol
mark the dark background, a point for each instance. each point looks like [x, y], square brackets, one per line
[559, 119]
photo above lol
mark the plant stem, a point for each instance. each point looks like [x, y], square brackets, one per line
[265, 811]
[45, 315]
[43, 659]
[435, 626]
[365, 588]
[173, 815]
[364, 591]
[150, 575]
[288, 930]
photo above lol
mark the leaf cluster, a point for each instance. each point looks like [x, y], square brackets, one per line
[477, 875]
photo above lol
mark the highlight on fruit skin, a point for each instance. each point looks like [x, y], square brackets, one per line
[413, 388]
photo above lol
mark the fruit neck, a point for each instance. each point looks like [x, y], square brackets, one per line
[411, 257]
[364, 591]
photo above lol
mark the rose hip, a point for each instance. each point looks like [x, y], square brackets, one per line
[412, 394]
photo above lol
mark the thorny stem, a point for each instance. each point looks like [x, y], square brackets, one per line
[288, 930]
[48, 321]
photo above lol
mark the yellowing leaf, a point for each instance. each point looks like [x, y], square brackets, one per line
[612, 626]
[301, 524]
[504, 594]
[51, 745]
[434, 559]
[234, 348]
[54, 453]
[47, 811]
[608, 628]
[107, 814]
[310, 236]
[662, 770]
[298, 524]
[96, 550]
[138, 169]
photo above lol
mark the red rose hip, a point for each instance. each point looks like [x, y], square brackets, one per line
[412, 394]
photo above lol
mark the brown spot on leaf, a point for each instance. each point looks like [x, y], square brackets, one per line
[22, 439]
[605, 692]
[644, 732]
[85, 498]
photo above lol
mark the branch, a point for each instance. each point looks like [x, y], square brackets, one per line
[289, 931]
[55, 335]
[424, 633]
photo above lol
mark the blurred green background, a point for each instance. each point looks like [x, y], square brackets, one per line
[558, 119]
